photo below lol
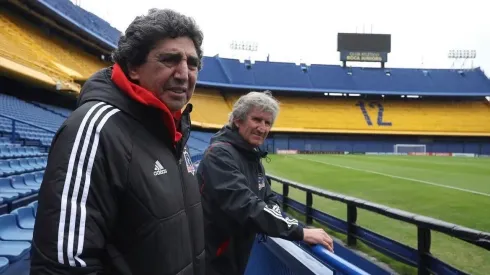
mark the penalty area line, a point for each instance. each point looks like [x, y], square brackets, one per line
[397, 177]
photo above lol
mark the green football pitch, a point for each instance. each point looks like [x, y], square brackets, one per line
[455, 190]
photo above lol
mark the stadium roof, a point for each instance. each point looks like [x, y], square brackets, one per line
[80, 20]
[230, 73]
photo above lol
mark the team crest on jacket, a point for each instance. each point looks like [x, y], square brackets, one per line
[261, 181]
[188, 162]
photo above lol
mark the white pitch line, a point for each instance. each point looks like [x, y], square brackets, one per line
[398, 177]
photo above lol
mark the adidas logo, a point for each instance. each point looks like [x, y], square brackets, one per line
[159, 170]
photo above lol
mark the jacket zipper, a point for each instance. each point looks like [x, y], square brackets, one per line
[179, 154]
[179, 164]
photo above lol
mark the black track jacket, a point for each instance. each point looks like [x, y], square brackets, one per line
[117, 197]
[237, 203]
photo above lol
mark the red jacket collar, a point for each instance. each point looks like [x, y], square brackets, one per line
[147, 98]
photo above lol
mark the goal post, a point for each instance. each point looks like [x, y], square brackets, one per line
[409, 148]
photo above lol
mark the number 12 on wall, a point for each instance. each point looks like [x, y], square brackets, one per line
[373, 105]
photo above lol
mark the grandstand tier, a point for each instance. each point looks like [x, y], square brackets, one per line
[289, 77]
[351, 115]
[31, 121]
[210, 110]
[97, 27]
[29, 52]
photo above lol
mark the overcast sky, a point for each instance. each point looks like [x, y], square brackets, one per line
[422, 32]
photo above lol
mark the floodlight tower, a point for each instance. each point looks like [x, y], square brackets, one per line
[244, 48]
[462, 54]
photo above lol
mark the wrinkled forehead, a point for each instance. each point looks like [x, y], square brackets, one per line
[262, 113]
[180, 46]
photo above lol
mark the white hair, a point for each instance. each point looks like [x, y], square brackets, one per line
[264, 102]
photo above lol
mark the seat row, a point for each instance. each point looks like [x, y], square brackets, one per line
[25, 165]
[7, 151]
[16, 231]
[16, 191]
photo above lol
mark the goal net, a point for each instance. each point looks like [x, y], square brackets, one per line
[409, 148]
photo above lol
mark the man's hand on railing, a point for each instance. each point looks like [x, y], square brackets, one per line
[318, 236]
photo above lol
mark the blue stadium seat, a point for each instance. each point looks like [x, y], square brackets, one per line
[39, 176]
[15, 150]
[15, 165]
[6, 188]
[43, 161]
[33, 163]
[25, 217]
[9, 197]
[4, 264]
[18, 183]
[5, 169]
[33, 205]
[27, 167]
[10, 231]
[14, 250]
[30, 180]
[5, 152]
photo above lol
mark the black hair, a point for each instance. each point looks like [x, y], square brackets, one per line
[146, 31]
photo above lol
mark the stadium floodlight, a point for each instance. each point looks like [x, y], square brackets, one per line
[248, 46]
[462, 54]
[244, 50]
[409, 148]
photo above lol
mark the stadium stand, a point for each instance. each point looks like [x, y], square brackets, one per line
[17, 46]
[16, 230]
[84, 20]
[55, 109]
[23, 42]
[450, 116]
[213, 110]
[33, 123]
[348, 115]
[334, 78]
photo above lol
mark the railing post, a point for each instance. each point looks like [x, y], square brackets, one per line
[351, 223]
[309, 208]
[13, 131]
[285, 194]
[424, 240]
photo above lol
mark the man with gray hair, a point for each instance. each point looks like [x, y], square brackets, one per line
[118, 194]
[237, 199]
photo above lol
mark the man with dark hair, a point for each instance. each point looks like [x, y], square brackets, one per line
[237, 199]
[118, 195]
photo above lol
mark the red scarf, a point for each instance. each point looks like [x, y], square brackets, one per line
[147, 98]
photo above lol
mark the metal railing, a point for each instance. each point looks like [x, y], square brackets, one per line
[420, 258]
[14, 124]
